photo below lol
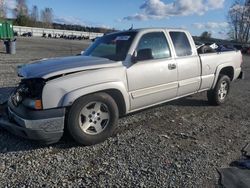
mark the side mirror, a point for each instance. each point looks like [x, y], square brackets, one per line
[142, 55]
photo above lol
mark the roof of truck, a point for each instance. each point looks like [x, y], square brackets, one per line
[158, 28]
[151, 29]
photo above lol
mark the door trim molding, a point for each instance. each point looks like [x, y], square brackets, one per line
[189, 81]
[152, 90]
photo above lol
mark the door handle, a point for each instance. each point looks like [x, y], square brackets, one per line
[171, 66]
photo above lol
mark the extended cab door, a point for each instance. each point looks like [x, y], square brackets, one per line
[188, 63]
[152, 80]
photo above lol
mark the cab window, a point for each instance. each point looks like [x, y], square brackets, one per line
[157, 42]
[181, 44]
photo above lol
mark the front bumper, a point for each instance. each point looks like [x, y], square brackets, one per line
[46, 126]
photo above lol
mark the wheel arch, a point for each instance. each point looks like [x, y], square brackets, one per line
[118, 93]
[228, 71]
[225, 69]
[119, 99]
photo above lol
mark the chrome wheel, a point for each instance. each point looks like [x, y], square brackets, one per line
[218, 95]
[223, 90]
[94, 118]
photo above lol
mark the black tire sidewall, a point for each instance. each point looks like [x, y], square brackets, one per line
[73, 126]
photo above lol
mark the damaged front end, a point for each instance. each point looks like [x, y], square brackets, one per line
[23, 114]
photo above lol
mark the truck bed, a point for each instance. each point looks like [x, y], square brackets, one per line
[211, 61]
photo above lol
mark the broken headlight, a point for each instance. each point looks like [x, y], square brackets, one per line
[29, 93]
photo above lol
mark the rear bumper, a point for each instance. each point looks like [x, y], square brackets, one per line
[46, 126]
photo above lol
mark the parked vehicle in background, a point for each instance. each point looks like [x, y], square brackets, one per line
[28, 34]
[246, 50]
[118, 74]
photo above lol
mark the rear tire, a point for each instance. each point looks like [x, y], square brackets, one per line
[219, 94]
[92, 118]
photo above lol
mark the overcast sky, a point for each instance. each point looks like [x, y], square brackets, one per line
[194, 15]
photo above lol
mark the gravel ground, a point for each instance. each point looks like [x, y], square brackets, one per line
[178, 144]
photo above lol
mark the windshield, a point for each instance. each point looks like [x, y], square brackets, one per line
[113, 46]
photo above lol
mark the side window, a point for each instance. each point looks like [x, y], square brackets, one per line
[157, 42]
[181, 44]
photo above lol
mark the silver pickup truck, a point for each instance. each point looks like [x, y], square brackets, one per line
[118, 74]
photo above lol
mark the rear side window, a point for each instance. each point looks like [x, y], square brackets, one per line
[157, 42]
[181, 44]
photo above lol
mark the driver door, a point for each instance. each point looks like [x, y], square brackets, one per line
[152, 80]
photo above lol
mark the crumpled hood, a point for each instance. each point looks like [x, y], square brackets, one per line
[52, 67]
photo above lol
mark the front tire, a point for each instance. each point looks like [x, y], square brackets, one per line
[219, 94]
[92, 118]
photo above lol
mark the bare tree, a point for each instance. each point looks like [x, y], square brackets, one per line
[2, 9]
[34, 14]
[206, 35]
[47, 17]
[239, 20]
[21, 9]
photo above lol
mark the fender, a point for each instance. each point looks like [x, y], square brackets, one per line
[218, 70]
[70, 97]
